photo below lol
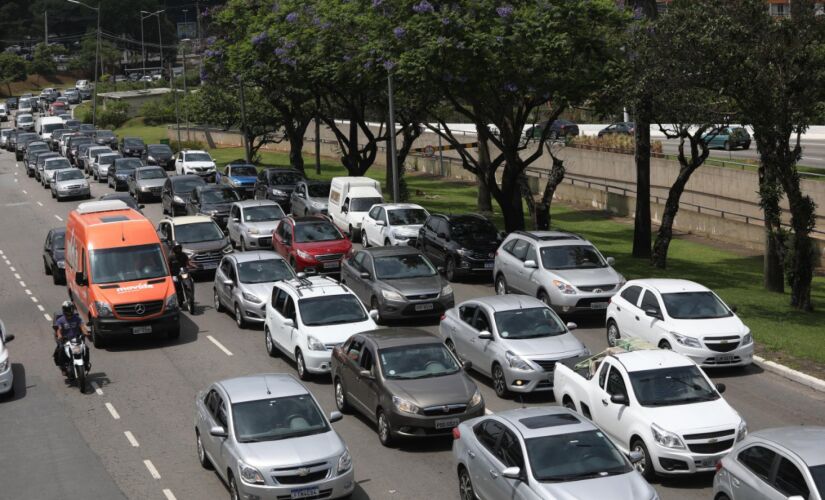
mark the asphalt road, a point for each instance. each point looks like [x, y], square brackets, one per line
[813, 152]
[139, 423]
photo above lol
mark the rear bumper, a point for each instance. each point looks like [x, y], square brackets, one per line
[113, 327]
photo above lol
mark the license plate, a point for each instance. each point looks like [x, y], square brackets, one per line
[424, 307]
[311, 491]
[489, 265]
[447, 423]
[598, 305]
[210, 265]
[709, 462]
[724, 359]
[332, 265]
[138, 330]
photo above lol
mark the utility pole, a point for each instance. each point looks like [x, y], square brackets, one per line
[317, 136]
[185, 43]
[200, 37]
[177, 112]
[160, 47]
[143, 50]
[97, 57]
[46, 27]
[391, 136]
[246, 148]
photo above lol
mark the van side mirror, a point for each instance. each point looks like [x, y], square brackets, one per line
[289, 323]
[80, 279]
[374, 314]
[365, 275]
[380, 223]
[635, 457]
[610, 261]
[571, 326]
[366, 374]
[653, 313]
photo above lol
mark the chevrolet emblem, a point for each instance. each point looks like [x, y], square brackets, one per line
[303, 471]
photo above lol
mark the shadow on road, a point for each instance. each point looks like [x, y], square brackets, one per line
[19, 387]
[189, 332]
[690, 482]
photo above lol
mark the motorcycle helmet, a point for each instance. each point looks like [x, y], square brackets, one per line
[177, 248]
[67, 307]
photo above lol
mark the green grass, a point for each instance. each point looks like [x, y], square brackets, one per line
[135, 127]
[737, 279]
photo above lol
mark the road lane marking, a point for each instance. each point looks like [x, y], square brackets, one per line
[34, 299]
[15, 179]
[112, 410]
[154, 472]
[25, 192]
[487, 411]
[48, 318]
[131, 438]
[97, 388]
[39, 203]
[58, 217]
[220, 346]
[22, 283]
[41, 308]
[28, 292]
[17, 276]
[168, 494]
[2, 252]
[12, 269]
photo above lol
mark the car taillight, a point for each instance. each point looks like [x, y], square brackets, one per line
[456, 433]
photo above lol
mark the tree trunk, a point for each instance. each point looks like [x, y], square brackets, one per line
[641, 223]
[510, 200]
[296, 147]
[557, 171]
[665, 234]
[484, 200]
[769, 194]
[803, 219]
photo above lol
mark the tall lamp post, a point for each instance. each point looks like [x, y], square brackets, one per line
[97, 57]
[145, 15]
[185, 43]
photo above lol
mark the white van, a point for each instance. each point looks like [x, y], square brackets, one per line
[350, 198]
[82, 85]
[24, 105]
[48, 124]
[4, 112]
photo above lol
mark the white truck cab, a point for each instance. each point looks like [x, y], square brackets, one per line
[350, 199]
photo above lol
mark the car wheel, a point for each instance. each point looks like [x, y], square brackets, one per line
[97, 339]
[727, 146]
[545, 298]
[364, 241]
[613, 334]
[233, 489]
[341, 397]
[499, 382]
[387, 243]
[202, 458]
[351, 234]
[303, 374]
[664, 344]
[569, 404]
[501, 285]
[270, 345]
[465, 485]
[722, 496]
[56, 277]
[46, 268]
[451, 272]
[374, 306]
[217, 301]
[384, 429]
[644, 466]
[239, 319]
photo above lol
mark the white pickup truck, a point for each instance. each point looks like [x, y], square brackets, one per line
[655, 402]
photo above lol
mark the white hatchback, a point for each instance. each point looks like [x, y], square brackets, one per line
[680, 315]
[391, 224]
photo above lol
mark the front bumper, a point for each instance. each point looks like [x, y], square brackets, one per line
[74, 192]
[705, 357]
[682, 462]
[396, 309]
[581, 302]
[132, 154]
[258, 240]
[254, 312]
[120, 183]
[6, 380]
[317, 361]
[473, 265]
[336, 487]
[415, 425]
[114, 327]
[317, 267]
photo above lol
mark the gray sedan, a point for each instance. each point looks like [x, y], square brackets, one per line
[310, 198]
[251, 223]
[243, 284]
[70, 183]
[398, 282]
[146, 182]
[266, 437]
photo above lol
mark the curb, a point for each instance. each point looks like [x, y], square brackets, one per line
[790, 374]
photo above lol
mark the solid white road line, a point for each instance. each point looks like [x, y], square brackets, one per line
[220, 346]
[154, 472]
[131, 438]
[97, 389]
[58, 217]
[168, 494]
[112, 410]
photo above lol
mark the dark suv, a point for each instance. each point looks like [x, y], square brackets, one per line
[160, 155]
[462, 244]
[105, 138]
[132, 146]
[212, 201]
[277, 184]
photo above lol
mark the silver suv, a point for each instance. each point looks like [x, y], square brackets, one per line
[561, 269]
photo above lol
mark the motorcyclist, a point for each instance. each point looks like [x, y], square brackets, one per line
[67, 327]
[177, 261]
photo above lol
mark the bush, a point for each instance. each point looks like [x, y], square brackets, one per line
[83, 112]
[185, 145]
[159, 111]
[113, 115]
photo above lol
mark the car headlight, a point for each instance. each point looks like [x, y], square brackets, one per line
[304, 255]
[747, 338]
[399, 235]
[344, 462]
[145, 188]
[172, 302]
[391, 295]
[277, 192]
[446, 290]
[61, 264]
[4, 365]
[314, 344]
[564, 288]
[742, 432]
[666, 438]
[249, 474]
[404, 405]
[622, 280]
[517, 362]
[685, 340]
[178, 199]
[149, 158]
[103, 309]
[254, 230]
[476, 399]
[251, 298]
[462, 252]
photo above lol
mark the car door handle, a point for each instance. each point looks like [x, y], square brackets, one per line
[493, 474]
[734, 481]
[471, 454]
[618, 308]
[604, 402]
[637, 318]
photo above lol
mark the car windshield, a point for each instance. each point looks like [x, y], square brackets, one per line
[57, 164]
[695, 305]
[59, 241]
[671, 386]
[263, 213]
[574, 456]
[104, 134]
[69, 175]
[571, 257]
[331, 310]
[218, 196]
[113, 265]
[133, 142]
[403, 266]
[159, 150]
[531, 323]
[473, 229]
[363, 204]
[153, 173]
[25, 119]
[316, 231]
[186, 186]
[406, 216]
[417, 361]
[285, 178]
[198, 232]
[318, 190]
[264, 271]
[818, 473]
[246, 170]
[107, 159]
[277, 418]
[127, 164]
[197, 157]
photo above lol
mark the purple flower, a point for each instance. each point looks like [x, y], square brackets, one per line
[211, 40]
[259, 38]
[504, 11]
[445, 21]
[346, 57]
[289, 61]
[377, 3]
[280, 51]
[289, 44]
[276, 7]
[292, 17]
[441, 40]
[510, 87]
[204, 75]
[423, 6]
[389, 65]
[399, 32]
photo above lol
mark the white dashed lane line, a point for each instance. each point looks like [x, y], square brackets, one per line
[131, 438]
[169, 495]
[17, 276]
[48, 318]
[219, 345]
[97, 388]
[41, 308]
[112, 411]
[12, 269]
[39, 203]
[58, 217]
[25, 192]
[154, 472]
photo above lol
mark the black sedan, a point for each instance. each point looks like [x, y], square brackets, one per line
[119, 171]
[54, 255]
[132, 146]
[558, 129]
[277, 184]
[463, 244]
[160, 155]
[212, 201]
[176, 192]
[619, 128]
[125, 198]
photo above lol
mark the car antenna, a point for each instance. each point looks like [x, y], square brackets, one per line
[266, 383]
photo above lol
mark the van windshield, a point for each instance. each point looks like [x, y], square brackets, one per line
[113, 265]
[50, 127]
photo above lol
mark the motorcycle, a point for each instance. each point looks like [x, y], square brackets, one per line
[75, 361]
[186, 297]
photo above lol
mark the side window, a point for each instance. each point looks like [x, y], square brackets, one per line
[649, 301]
[603, 374]
[481, 321]
[520, 249]
[789, 480]
[509, 450]
[430, 223]
[367, 263]
[289, 308]
[366, 360]
[466, 313]
[615, 383]
[758, 460]
[279, 300]
[531, 254]
[488, 433]
[631, 294]
[232, 275]
[220, 417]
[209, 402]
[225, 267]
[262, 176]
[235, 213]
[354, 349]
[508, 247]
[374, 212]
[359, 260]
[382, 214]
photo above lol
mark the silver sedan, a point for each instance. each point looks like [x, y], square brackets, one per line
[146, 182]
[70, 183]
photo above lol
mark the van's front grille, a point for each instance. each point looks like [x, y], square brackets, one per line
[139, 309]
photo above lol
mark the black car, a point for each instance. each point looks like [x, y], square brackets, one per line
[558, 129]
[618, 128]
[87, 129]
[85, 94]
[32, 152]
[213, 201]
[11, 103]
[73, 124]
[277, 184]
[11, 140]
[119, 171]
[132, 146]
[22, 143]
[462, 244]
[54, 255]
[160, 155]
[176, 193]
[105, 138]
[54, 140]
[73, 144]
[125, 198]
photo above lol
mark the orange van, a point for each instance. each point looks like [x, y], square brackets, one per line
[117, 274]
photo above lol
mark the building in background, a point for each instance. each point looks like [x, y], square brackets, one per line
[777, 8]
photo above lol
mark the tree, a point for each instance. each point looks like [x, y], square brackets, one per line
[12, 69]
[84, 61]
[43, 62]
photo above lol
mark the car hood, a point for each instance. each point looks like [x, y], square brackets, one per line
[292, 452]
[589, 277]
[206, 245]
[126, 292]
[199, 164]
[558, 347]
[414, 286]
[694, 418]
[630, 486]
[319, 201]
[324, 247]
[261, 290]
[264, 227]
[151, 182]
[478, 247]
[72, 182]
[221, 208]
[708, 327]
[434, 391]
[59, 255]
[338, 334]
[243, 179]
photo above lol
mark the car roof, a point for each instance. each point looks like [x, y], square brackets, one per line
[557, 420]
[180, 178]
[462, 217]
[188, 219]
[254, 203]
[397, 337]
[254, 255]
[55, 158]
[663, 285]
[57, 230]
[309, 218]
[391, 250]
[149, 167]
[194, 151]
[651, 359]
[315, 286]
[551, 238]
[393, 206]
[804, 441]
[261, 386]
[507, 302]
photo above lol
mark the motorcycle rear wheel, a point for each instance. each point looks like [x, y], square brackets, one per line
[80, 376]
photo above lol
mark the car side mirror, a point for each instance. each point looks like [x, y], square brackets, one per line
[618, 399]
[141, 206]
[502, 235]
[512, 473]
[366, 374]
[80, 279]
[365, 275]
[235, 219]
[467, 365]
[485, 335]
[289, 323]
[440, 269]
[380, 223]
[335, 416]
[610, 261]
[344, 210]
[571, 326]
[530, 264]
[218, 431]
[374, 314]
[733, 309]
[796, 497]
[720, 388]
[228, 283]
[635, 457]
[653, 313]
[8, 338]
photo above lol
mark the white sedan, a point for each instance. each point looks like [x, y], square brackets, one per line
[6, 375]
[392, 224]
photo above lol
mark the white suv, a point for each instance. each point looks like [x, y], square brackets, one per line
[562, 269]
[680, 315]
[391, 224]
[307, 317]
[195, 162]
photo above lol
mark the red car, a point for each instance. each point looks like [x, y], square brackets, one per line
[311, 244]
[57, 108]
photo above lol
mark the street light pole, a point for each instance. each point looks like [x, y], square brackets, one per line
[391, 139]
[143, 51]
[97, 57]
[145, 15]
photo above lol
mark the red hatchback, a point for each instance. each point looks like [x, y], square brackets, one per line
[57, 108]
[311, 244]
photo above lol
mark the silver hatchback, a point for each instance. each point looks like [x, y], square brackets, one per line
[267, 438]
[251, 223]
